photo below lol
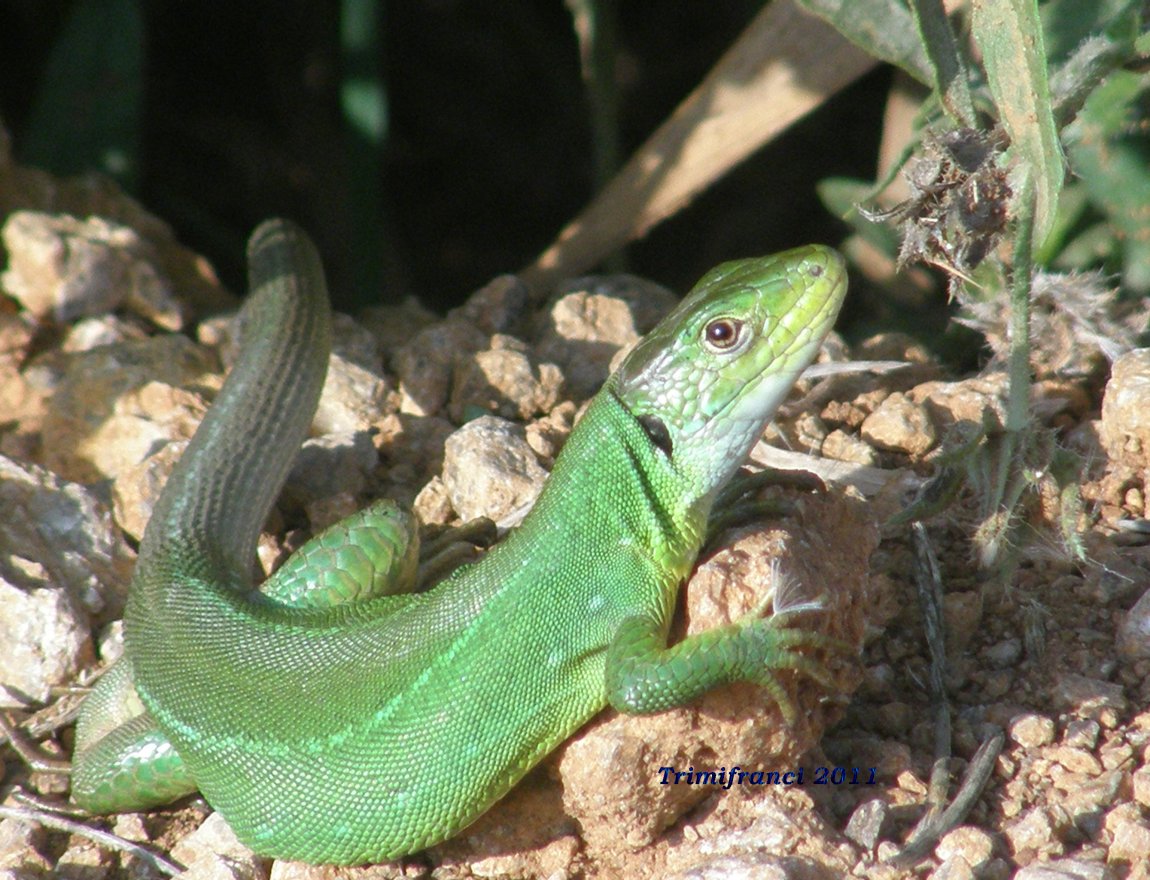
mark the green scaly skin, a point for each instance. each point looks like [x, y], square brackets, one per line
[354, 724]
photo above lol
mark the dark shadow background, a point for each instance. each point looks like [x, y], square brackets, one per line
[488, 148]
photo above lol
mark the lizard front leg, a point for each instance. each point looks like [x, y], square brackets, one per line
[644, 675]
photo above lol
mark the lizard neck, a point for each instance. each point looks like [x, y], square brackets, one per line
[612, 483]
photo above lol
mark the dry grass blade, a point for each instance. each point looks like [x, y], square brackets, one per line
[783, 65]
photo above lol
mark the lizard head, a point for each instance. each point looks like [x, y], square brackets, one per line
[707, 380]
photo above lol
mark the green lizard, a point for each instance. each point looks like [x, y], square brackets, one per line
[332, 719]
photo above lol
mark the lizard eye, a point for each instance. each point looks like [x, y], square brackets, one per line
[722, 334]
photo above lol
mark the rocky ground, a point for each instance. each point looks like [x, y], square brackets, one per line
[108, 361]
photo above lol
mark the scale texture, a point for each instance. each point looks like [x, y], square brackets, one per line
[355, 724]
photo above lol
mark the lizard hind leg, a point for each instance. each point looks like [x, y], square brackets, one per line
[132, 767]
[124, 762]
[736, 504]
[372, 553]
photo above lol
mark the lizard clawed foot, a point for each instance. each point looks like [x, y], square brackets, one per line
[454, 547]
[735, 505]
[773, 645]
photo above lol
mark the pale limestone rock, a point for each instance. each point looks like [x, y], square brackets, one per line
[65, 268]
[1125, 415]
[489, 469]
[900, 425]
[594, 319]
[503, 381]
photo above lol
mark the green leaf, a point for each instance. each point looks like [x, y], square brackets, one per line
[1111, 155]
[87, 112]
[1009, 34]
[1067, 23]
[883, 28]
[1072, 208]
[842, 196]
[950, 81]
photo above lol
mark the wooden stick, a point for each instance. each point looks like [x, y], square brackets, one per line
[781, 67]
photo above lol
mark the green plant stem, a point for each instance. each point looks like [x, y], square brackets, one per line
[1018, 388]
[1018, 403]
[596, 26]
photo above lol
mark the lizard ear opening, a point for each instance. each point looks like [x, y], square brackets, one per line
[657, 431]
